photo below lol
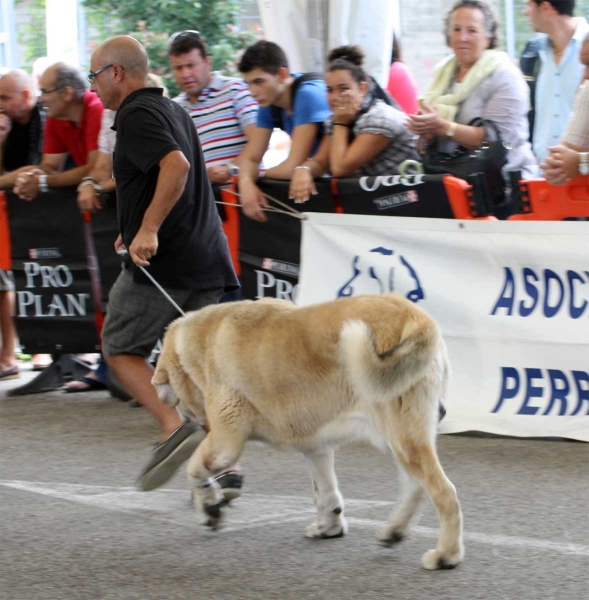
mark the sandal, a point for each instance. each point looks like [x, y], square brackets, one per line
[90, 385]
[10, 373]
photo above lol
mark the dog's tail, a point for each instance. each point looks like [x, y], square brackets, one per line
[379, 377]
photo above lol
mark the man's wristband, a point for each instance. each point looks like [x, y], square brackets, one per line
[342, 124]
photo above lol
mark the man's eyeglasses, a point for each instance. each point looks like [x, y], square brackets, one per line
[45, 92]
[93, 74]
[191, 33]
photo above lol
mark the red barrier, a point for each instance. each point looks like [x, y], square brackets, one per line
[5, 258]
[545, 202]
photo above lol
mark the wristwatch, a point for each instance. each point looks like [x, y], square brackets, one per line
[233, 169]
[43, 187]
[451, 130]
[584, 163]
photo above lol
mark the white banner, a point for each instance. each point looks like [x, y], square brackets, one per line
[511, 298]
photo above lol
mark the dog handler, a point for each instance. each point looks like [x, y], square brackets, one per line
[169, 223]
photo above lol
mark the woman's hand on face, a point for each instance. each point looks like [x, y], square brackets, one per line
[346, 109]
[301, 186]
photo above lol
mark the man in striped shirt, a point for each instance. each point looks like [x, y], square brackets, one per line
[221, 108]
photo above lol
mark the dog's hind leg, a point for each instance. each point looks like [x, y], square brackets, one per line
[411, 495]
[219, 450]
[411, 436]
[328, 500]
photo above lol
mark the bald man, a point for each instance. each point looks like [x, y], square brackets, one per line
[21, 143]
[71, 130]
[21, 125]
[169, 224]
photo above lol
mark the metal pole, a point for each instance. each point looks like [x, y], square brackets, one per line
[510, 28]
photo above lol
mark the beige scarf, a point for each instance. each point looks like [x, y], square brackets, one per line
[447, 104]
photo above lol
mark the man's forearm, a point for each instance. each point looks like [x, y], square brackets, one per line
[69, 178]
[8, 180]
[248, 170]
[282, 171]
[170, 185]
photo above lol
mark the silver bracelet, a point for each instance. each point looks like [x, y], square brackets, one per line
[307, 167]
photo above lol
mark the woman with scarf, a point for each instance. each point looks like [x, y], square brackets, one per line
[476, 82]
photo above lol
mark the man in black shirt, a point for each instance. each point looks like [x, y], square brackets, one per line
[21, 126]
[21, 143]
[169, 224]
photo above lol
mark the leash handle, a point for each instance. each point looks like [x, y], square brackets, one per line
[124, 254]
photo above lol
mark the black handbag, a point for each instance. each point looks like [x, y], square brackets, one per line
[466, 163]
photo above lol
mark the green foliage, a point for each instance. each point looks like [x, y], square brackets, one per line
[153, 21]
[32, 36]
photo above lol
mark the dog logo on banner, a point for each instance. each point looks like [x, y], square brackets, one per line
[381, 270]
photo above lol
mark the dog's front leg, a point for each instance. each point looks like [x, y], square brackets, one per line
[207, 494]
[328, 500]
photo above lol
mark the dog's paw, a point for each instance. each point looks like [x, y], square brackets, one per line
[213, 515]
[390, 536]
[320, 531]
[435, 559]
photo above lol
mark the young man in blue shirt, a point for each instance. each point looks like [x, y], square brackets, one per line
[265, 69]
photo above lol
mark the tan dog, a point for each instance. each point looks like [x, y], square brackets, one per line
[312, 379]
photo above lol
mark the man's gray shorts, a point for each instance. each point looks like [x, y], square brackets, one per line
[6, 281]
[138, 315]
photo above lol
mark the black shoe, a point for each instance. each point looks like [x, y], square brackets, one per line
[230, 482]
[169, 455]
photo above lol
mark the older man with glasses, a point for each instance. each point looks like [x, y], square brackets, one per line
[169, 223]
[71, 130]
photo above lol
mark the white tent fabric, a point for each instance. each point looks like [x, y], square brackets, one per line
[307, 29]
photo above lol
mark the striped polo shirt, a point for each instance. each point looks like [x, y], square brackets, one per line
[220, 115]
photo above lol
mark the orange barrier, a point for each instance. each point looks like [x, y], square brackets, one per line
[541, 201]
[462, 200]
[231, 224]
[5, 257]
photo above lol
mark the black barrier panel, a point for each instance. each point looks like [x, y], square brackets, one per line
[396, 196]
[54, 302]
[105, 230]
[263, 277]
[269, 252]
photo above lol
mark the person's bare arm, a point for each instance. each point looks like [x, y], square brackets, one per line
[345, 158]
[251, 199]
[171, 181]
[302, 184]
[303, 139]
[101, 173]
[27, 184]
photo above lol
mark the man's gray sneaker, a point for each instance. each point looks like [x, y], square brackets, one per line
[169, 455]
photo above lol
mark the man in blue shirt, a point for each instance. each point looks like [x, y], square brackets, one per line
[265, 69]
[560, 71]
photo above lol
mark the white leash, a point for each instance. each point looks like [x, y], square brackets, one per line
[125, 253]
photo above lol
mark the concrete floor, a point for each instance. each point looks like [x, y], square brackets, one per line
[73, 527]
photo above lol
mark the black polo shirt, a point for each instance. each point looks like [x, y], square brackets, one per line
[193, 252]
[24, 143]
